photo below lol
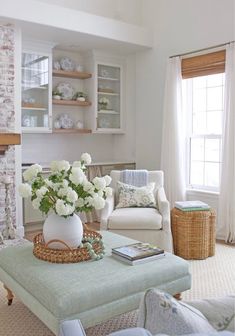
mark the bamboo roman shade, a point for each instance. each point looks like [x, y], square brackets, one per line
[203, 65]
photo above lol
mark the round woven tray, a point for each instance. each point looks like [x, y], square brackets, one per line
[69, 255]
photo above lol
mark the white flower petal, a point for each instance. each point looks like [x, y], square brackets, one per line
[25, 190]
[86, 158]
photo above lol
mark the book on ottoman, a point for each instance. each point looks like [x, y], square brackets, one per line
[137, 253]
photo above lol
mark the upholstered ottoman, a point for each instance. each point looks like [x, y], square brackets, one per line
[92, 291]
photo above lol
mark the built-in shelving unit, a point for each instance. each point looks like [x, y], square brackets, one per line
[108, 94]
[108, 112]
[109, 98]
[71, 130]
[34, 108]
[109, 78]
[36, 90]
[75, 109]
[70, 102]
[71, 74]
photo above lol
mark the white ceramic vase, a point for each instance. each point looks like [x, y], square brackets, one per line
[69, 230]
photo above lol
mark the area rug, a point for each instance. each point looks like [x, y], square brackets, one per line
[212, 277]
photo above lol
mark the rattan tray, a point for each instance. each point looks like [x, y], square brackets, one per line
[69, 255]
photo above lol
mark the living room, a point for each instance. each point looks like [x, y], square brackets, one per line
[118, 112]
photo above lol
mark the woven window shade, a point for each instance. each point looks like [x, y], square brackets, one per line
[203, 65]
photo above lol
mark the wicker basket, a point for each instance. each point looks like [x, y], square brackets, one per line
[70, 255]
[193, 233]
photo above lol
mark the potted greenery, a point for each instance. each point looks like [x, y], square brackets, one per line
[62, 195]
[103, 103]
[56, 94]
[80, 96]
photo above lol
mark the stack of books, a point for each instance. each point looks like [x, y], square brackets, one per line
[138, 253]
[192, 206]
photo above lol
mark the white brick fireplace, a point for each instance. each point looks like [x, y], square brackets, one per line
[10, 116]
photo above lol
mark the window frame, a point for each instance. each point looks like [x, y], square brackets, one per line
[188, 90]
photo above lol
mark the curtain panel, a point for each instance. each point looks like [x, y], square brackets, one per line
[173, 139]
[226, 215]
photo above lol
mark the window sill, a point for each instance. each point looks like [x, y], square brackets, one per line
[190, 191]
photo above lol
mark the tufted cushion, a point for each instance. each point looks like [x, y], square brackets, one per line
[161, 313]
[131, 196]
[135, 219]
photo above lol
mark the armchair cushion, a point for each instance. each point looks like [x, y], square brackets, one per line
[135, 219]
[161, 313]
[131, 196]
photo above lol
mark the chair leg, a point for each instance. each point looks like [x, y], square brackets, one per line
[10, 295]
[178, 296]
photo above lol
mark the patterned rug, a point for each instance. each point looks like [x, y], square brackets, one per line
[212, 277]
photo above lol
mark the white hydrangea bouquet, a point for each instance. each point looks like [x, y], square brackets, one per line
[66, 190]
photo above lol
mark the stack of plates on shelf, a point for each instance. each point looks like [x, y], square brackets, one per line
[67, 64]
[66, 90]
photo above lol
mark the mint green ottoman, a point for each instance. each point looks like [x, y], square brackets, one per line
[92, 291]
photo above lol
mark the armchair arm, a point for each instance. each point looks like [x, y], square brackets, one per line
[106, 211]
[164, 209]
[71, 328]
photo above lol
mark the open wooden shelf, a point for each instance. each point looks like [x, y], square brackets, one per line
[72, 130]
[70, 102]
[71, 74]
[7, 139]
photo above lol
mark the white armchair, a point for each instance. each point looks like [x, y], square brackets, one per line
[145, 224]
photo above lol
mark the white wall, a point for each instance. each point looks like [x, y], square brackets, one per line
[123, 10]
[179, 26]
[44, 148]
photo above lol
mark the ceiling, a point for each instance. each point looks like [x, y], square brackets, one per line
[65, 39]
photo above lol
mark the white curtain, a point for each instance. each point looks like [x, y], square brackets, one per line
[226, 214]
[173, 139]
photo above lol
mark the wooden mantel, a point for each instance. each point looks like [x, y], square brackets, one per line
[7, 139]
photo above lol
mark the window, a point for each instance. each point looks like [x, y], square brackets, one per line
[203, 100]
[203, 96]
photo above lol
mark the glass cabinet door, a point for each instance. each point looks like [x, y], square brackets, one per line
[108, 97]
[35, 92]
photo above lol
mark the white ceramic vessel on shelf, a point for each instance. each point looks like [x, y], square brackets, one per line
[79, 124]
[56, 65]
[57, 97]
[79, 68]
[82, 99]
[57, 124]
[69, 230]
[26, 121]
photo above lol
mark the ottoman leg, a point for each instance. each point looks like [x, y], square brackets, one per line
[10, 295]
[177, 296]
